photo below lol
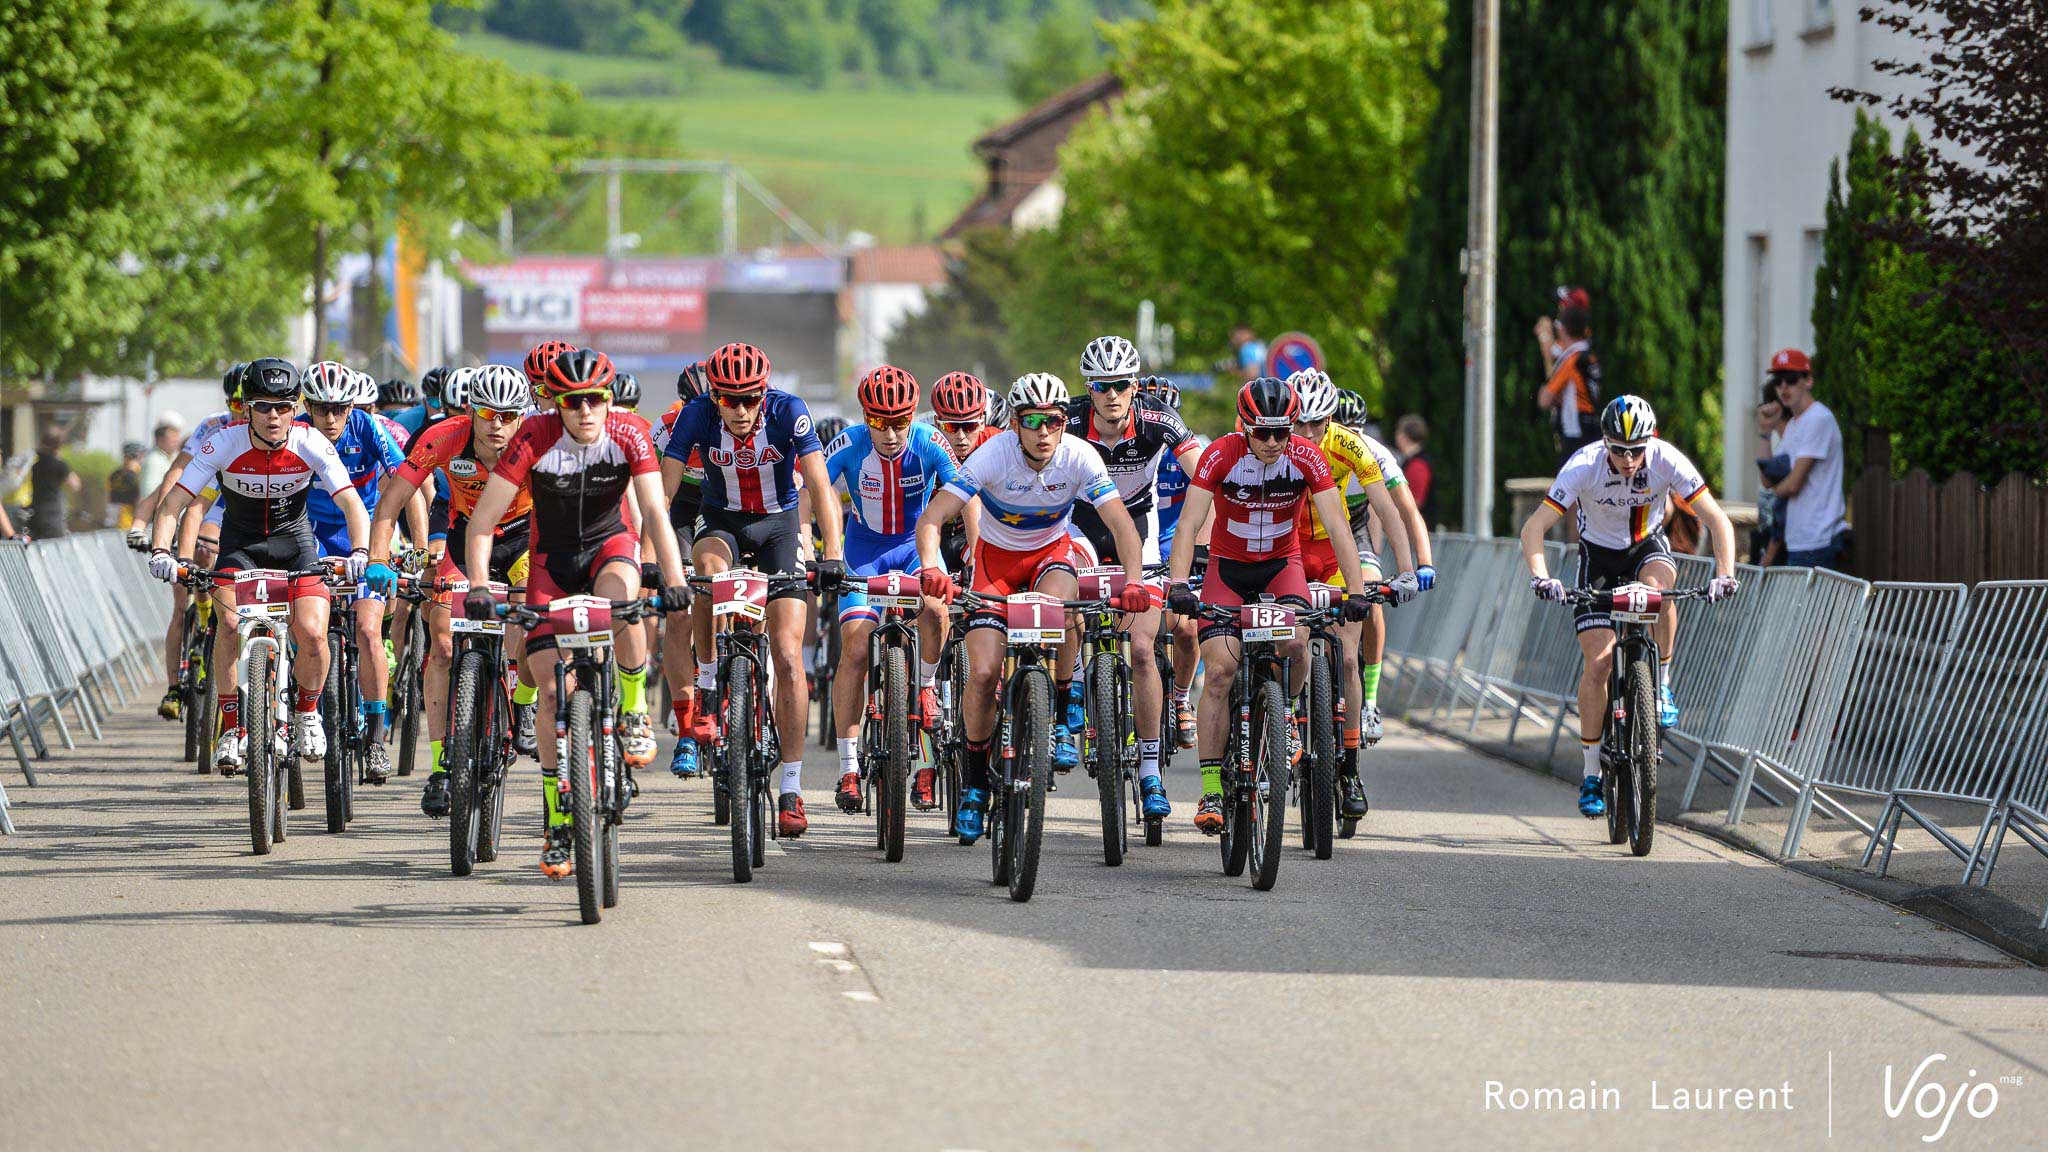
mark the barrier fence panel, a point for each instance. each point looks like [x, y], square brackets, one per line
[1813, 670]
[52, 648]
[1548, 669]
[1506, 641]
[1893, 691]
[1992, 725]
[1766, 610]
[1442, 627]
[1491, 560]
[71, 568]
[26, 691]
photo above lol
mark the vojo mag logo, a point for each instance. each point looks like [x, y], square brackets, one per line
[1936, 1102]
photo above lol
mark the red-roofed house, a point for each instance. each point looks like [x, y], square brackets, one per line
[1022, 158]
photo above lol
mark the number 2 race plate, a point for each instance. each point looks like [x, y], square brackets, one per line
[741, 592]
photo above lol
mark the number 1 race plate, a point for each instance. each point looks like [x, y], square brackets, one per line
[1034, 618]
[740, 592]
[457, 622]
[262, 593]
[581, 621]
[1266, 622]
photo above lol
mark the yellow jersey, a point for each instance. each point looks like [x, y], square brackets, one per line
[1349, 458]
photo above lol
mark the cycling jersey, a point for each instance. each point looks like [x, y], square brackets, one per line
[664, 428]
[1257, 504]
[420, 417]
[1617, 511]
[263, 491]
[1349, 458]
[1024, 509]
[1154, 431]
[368, 453]
[208, 427]
[986, 433]
[1171, 490]
[757, 474]
[888, 493]
[400, 435]
[449, 448]
[578, 490]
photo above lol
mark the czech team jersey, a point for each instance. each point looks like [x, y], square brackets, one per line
[1617, 511]
[1349, 459]
[888, 493]
[578, 490]
[263, 491]
[1024, 509]
[368, 453]
[757, 474]
[1257, 504]
[1171, 491]
[447, 448]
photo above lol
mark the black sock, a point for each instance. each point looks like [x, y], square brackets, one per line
[976, 775]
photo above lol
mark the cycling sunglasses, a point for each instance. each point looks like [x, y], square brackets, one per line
[581, 400]
[320, 409]
[272, 407]
[502, 415]
[1629, 451]
[738, 400]
[1040, 421]
[1270, 433]
[1111, 385]
[889, 424]
[961, 427]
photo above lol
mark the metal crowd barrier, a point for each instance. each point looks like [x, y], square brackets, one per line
[80, 623]
[1810, 688]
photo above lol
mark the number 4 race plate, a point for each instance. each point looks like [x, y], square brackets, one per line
[1034, 618]
[263, 592]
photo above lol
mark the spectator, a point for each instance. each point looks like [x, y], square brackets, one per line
[6, 525]
[50, 479]
[124, 485]
[1248, 353]
[165, 442]
[1816, 525]
[1767, 542]
[1411, 443]
[1546, 330]
[1573, 390]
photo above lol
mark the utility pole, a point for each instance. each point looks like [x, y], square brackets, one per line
[1482, 228]
[613, 209]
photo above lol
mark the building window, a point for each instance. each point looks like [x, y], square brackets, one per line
[1759, 303]
[1760, 25]
[1810, 267]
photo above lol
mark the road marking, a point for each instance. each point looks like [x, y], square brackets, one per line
[862, 997]
[828, 948]
[840, 959]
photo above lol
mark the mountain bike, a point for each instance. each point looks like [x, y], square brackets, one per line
[479, 745]
[826, 665]
[590, 769]
[341, 705]
[888, 737]
[409, 677]
[1109, 738]
[949, 735]
[1629, 742]
[1258, 753]
[748, 751]
[195, 678]
[1021, 761]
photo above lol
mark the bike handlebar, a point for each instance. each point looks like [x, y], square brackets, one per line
[630, 611]
[1583, 596]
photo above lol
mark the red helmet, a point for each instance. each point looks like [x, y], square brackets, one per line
[960, 396]
[888, 392]
[740, 368]
[537, 360]
[1268, 402]
[578, 370]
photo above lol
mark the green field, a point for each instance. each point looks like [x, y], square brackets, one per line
[886, 160]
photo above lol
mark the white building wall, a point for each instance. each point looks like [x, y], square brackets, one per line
[878, 311]
[1783, 129]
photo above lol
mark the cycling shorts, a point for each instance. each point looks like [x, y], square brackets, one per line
[1603, 568]
[1229, 583]
[1319, 563]
[763, 541]
[550, 576]
[290, 550]
[682, 513]
[1102, 542]
[869, 554]
[438, 515]
[1001, 572]
[508, 555]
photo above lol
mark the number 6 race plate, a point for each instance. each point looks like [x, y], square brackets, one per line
[741, 592]
[1266, 622]
[581, 621]
[1034, 618]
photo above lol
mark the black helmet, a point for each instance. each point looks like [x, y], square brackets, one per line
[829, 429]
[1267, 402]
[626, 390]
[690, 382]
[430, 384]
[231, 380]
[270, 379]
[1351, 409]
[397, 392]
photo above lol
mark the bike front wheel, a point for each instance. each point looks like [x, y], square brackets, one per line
[1107, 755]
[736, 755]
[1642, 755]
[335, 771]
[583, 807]
[1266, 805]
[464, 770]
[891, 792]
[1318, 789]
[1024, 791]
[259, 722]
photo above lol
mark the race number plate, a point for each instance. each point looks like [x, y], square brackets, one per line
[741, 592]
[263, 593]
[457, 622]
[1034, 618]
[1324, 595]
[1266, 622]
[894, 590]
[581, 621]
[1636, 604]
[1101, 584]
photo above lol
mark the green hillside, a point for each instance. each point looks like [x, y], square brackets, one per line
[888, 160]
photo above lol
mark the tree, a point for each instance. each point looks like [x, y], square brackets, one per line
[1611, 146]
[1858, 204]
[363, 110]
[1258, 171]
[1061, 52]
[961, 327]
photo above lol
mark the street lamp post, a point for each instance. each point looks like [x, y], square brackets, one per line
[1481, 229]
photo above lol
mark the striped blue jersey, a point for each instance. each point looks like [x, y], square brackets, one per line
[888, 493]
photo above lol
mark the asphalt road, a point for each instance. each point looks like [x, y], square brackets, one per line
[1477, 943]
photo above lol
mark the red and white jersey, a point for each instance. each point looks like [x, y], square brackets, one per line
[579, 490]
[1256, 504]
[399, 435]
[263, 490]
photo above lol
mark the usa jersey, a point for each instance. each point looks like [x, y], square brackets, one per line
[888, 492]
[369, 453]
[1024, 509]
[757, 474]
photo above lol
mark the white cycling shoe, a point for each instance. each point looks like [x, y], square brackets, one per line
[227, 752]
[312, 738]
[1369, 726]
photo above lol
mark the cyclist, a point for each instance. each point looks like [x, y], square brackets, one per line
[366, 394]
[580, 465]
[1028, 481]
[428, 409]
[536, 368]
[395, 396]
[266, 468]
[1171, 491]
[1352, 461]
[1132, 434]
[888, 468]
[963, 410]
[369, 454]
[462, 450]
[678, 648]
[1256, 481]
[198, 531]
[755, 441]
[1621, 485]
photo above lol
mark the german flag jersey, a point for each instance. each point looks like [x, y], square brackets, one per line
[1617, 511]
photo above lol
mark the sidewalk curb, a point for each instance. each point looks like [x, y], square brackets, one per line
[1976, 912]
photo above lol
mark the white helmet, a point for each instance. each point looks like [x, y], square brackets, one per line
[328, 382]
[366, 390]
[998, 410]
[1037, 390]
[1109, 358]
[499, 386]
[1317, 395]
[455, 389]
